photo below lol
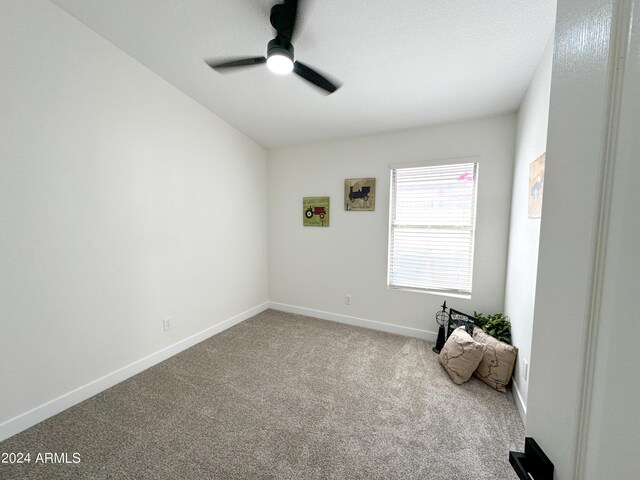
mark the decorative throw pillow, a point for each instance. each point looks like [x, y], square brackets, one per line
[498, 360]
[460, 355]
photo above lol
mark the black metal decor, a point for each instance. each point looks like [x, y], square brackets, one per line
[442, 318]
[460, 319]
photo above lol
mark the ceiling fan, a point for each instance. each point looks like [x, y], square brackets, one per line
[280, 57]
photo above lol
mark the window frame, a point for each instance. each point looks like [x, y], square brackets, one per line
[449, 292]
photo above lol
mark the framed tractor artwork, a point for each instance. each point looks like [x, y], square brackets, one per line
[315, 211]
[360, 194]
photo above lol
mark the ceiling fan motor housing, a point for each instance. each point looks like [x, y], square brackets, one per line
[280, 46]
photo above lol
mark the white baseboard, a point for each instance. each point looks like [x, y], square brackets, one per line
[358, 322]
[53, 407]
[520, 403]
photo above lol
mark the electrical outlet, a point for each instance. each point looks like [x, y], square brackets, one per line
[167, 323]
[347, 299]
[525, 368]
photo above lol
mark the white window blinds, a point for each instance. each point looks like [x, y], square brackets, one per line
[431, 232]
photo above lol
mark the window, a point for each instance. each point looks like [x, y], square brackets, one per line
[431, 228]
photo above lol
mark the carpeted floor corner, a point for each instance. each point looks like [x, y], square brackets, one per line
[282, 396]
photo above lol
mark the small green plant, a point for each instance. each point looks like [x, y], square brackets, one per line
[496, 325]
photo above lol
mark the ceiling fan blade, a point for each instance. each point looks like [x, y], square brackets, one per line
[314, 77]
[238, 62]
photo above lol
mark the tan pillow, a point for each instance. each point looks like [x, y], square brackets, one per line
[460, 356]
[498, 360]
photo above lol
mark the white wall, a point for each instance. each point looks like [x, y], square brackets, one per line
[614, 417]
[524, 232]
[567, 289]
[122, 201]
[312, 268]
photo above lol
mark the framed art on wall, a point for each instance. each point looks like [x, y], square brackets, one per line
[360, 194]
[315, 211]
[536, 186]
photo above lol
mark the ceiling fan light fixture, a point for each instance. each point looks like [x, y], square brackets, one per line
[280, 64]
[280, 57]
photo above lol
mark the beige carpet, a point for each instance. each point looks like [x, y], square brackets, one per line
[285, 397]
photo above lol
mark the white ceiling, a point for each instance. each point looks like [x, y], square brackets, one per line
[403, 63]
